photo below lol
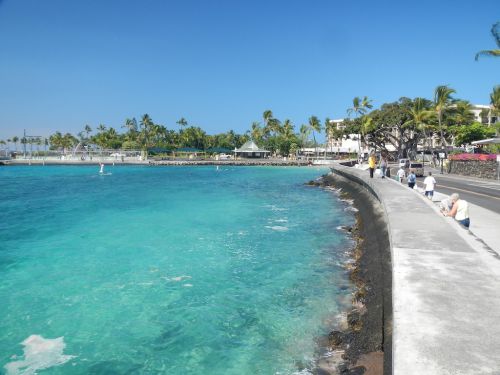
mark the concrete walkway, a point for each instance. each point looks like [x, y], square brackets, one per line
[446, 285]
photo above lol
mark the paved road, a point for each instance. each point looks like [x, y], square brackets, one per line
[481, 192]
[484, 193]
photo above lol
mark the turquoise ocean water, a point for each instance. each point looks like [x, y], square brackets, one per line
[167, 270]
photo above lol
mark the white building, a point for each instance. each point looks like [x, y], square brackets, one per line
[345, 145]
[478, 109]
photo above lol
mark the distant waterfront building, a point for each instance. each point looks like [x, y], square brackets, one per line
[481, 112]
[251, 150]
[345, 145]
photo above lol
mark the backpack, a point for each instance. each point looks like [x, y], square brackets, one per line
[412, 178]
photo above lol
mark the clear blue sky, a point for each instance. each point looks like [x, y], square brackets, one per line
[220, 64]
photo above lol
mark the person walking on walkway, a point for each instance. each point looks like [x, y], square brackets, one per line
[401, 174]
[460, 210]
[371, 163]
[412, 179]
[430, 184]
[383, 165]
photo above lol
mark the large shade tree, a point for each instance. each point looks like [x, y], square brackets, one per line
[392, 123]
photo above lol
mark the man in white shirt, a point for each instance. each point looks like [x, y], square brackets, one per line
[401, 174]
[429, 183]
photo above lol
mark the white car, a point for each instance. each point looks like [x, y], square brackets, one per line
[224, 157]
[418, 168]
[404, 163]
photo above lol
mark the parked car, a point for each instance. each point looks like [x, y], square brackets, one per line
[404, 163]
[417, 167]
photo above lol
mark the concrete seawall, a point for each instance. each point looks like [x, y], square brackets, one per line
[446, 286]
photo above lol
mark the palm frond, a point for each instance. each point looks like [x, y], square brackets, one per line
[488, 53]
[495, 31]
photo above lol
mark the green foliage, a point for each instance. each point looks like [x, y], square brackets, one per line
[59, 141]
[495, 100]
[467, 134]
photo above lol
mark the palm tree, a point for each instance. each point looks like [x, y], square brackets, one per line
[495, 31]
[267, 116]
[462, 113]
[442, 100]
[146, 128]
[494, 103]
[315, 125]
[420, 115]
[359, 108]
[287, 129]
[87, 130]
[304, 133]
[15, 139]
[131, 125]
[68, 141]
[182, 122]
[356, 107]
[329, 130]
[101, 128]
[256, 132]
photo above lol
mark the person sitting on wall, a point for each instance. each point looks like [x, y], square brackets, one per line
[460, 210]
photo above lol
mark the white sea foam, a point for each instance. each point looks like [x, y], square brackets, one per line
[281, 221]
[303, 372]
[277, 228]
[276, 208]
[350, 208]
[39, 354]
[334, 190]
[179, 278]
[187, 285]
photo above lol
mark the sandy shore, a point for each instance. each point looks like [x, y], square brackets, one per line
[367, 340]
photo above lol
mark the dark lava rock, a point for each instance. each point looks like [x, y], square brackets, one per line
[320, 371]
[358, 370]
[347, 228]
[336, 338]
[354, 320]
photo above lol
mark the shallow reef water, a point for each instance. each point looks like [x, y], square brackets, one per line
[178, 270]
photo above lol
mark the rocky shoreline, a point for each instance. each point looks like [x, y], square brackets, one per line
[96, 161]
[366, 340]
